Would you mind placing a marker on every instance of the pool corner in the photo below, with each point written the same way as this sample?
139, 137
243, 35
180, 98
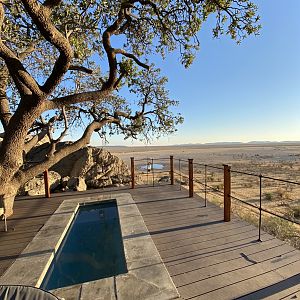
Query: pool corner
147, 276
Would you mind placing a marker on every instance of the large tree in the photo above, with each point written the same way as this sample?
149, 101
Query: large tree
66, 64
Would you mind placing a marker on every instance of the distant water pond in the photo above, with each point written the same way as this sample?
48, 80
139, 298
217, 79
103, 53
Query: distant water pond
149, 167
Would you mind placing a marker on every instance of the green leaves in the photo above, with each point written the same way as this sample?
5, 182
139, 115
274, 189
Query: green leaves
128, 68
142, 28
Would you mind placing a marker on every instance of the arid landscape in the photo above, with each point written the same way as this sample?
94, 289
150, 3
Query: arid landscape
275, 160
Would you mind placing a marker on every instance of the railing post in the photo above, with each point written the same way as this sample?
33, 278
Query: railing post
46, 183
179, 169
260, 207
152, 168
5, 223
172, 169
132, 172
227, 193
191, 178
205, 185
147, 168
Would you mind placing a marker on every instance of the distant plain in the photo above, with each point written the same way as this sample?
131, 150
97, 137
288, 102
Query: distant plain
275, 160
278, 159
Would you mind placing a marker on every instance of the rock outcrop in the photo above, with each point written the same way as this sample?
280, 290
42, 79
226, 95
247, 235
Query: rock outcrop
35, 186
98, 167
76, 184
90, 167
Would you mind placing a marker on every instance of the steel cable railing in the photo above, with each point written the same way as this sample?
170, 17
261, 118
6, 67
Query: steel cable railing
215, 180
259, 205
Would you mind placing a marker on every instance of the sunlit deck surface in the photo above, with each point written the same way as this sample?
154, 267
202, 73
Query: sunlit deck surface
206, 258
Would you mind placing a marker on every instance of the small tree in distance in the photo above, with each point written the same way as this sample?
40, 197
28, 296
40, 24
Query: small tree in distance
65, 64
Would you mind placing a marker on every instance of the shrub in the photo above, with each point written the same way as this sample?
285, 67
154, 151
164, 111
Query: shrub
268, 196
219, 187
296, 212
282, 229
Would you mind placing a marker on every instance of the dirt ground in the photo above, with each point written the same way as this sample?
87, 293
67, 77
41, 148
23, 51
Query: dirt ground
280, 161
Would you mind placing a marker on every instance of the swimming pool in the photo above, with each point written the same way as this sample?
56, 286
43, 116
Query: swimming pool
149, 167
147, 277
91, 250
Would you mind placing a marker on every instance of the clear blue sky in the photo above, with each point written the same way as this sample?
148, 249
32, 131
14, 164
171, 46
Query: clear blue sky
240, 92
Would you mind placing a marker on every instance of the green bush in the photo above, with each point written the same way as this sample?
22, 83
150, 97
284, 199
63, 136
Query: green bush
296, 212
268, 196
282, 229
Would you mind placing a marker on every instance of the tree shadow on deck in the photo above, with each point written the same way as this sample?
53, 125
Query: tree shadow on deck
172, 229
274, 289
29, 254
185, 227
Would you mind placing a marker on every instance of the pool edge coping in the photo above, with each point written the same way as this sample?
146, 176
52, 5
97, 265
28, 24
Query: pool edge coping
40, 253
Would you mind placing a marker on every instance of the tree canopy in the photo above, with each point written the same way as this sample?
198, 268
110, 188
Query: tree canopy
66, 64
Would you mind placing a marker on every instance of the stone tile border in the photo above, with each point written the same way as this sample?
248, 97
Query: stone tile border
147, 276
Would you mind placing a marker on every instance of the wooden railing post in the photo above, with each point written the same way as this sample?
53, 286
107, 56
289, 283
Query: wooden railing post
46, 183
227, 193
172, 169
191, 178
132, 172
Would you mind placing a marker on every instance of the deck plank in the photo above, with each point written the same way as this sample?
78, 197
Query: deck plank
210, 259
206, 258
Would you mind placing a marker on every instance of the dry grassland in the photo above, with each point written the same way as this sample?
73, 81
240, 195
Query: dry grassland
281, 161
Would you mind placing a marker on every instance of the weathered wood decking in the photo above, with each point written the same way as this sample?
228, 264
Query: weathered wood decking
206, 258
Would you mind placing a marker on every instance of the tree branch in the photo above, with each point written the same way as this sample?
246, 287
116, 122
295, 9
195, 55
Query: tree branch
110, 51
132, 56
118, 81
51, 3
27, 51
40, 15
38, 137
25, 83
55, 142
22, 175
45, 128
76, 98
80, 69
23, 80
5, 113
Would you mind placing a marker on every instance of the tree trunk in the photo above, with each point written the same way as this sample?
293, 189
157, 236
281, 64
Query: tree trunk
11, 150
7, 197
14, 178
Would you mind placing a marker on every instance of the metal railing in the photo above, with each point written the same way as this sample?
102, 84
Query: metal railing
250, 190
256, 201
148, 170
220, 181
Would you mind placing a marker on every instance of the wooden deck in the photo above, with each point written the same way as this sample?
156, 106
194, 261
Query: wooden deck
206, 258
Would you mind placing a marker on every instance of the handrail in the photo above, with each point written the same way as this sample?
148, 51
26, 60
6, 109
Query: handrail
264, 176
282, 180
220, 168
206, 187
210, 166
182, 159
266, 210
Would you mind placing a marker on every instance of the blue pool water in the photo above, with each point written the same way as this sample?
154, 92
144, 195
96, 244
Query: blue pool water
149, 167
92, 249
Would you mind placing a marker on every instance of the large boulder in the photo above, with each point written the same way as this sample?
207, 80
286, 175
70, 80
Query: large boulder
36, 186
89, 167
76, 184
98, 167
